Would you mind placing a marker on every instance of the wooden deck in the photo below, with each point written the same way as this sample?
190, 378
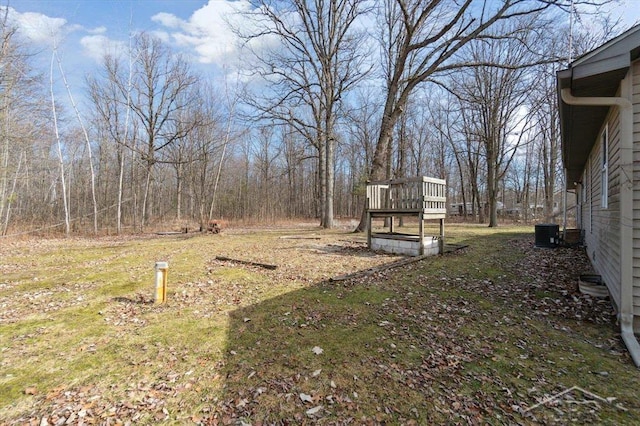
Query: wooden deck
422, 197
410, 196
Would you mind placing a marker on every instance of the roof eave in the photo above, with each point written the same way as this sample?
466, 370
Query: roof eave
580, 125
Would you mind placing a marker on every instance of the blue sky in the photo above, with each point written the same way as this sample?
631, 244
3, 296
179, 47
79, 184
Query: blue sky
109, 13
196, 26
83, 29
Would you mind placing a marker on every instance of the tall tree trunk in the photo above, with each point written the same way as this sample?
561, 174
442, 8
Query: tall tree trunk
462, 186
551, 158
11, 195
526, 187
120, 190
402, 156
179, 184
5, 158
378, 167
321, 192
492, 185
86, 138
120, 148
329, 181
67, 218
145, 200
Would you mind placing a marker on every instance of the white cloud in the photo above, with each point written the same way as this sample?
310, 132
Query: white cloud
43, 29
96, 46
37, 27
208, 32
164, 36
168, 20
97, 30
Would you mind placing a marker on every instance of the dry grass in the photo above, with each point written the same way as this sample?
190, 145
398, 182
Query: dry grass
439, 341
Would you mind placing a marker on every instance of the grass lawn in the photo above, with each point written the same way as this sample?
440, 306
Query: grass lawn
484, 335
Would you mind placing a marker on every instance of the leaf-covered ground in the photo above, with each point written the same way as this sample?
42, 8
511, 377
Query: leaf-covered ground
485, 335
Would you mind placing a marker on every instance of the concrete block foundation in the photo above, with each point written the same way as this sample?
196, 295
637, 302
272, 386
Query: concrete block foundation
408, 245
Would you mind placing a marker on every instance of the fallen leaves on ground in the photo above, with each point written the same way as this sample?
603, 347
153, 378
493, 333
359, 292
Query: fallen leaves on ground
441, 347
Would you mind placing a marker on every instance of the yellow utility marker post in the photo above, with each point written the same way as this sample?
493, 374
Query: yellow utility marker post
162, 268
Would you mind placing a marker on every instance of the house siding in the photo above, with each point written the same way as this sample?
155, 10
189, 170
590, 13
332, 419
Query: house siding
602, 225
610, 225
585, 204
611, 228
636, 188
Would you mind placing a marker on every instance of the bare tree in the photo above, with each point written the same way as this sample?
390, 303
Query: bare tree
208, 144
24, 119
316, 64
423, 39
362, 122
448, 123
495, 98
86, 138
63, 180
544, 100
161, 84
7, 79
294, 157
231, 99
156, 87
472, 150
110, 92
545, 110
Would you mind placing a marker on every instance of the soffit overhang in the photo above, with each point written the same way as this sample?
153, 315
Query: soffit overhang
596, 74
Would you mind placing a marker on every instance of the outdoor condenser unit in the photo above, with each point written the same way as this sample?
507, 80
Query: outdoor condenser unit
547, 235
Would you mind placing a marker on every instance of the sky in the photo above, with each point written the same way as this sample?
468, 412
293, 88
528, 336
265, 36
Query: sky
82, 30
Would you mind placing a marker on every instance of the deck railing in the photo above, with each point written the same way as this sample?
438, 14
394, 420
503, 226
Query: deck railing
425, 194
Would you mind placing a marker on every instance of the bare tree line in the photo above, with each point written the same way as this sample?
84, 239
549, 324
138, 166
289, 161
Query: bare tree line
351, 92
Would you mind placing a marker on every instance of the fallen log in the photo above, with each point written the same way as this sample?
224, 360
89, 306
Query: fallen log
247, 262
450, 248
295, 237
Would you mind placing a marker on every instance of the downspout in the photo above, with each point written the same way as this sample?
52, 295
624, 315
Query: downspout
625, 315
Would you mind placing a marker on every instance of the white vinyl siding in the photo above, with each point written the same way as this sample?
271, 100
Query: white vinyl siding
636, 187
604, 172
590, 194
601, 208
